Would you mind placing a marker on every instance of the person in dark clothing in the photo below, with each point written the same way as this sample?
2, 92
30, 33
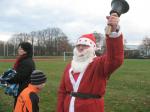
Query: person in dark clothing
24, 66
28, 99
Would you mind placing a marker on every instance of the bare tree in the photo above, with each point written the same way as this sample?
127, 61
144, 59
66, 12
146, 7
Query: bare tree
99, 43
145, 46
50, 41
1, 48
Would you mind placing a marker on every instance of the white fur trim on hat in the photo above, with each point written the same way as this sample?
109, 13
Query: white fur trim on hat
86, 41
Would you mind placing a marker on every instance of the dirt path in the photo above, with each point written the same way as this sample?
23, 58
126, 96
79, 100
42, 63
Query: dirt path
13, 60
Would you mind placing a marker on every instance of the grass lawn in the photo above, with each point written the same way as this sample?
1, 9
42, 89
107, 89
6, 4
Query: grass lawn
128, 89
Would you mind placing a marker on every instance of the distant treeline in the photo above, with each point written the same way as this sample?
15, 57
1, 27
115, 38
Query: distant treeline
54, 42
50, 41
47, 42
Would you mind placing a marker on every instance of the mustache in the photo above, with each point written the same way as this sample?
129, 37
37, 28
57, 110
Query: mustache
84, 55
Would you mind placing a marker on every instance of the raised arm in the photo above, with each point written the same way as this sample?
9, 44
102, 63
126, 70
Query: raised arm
114, 55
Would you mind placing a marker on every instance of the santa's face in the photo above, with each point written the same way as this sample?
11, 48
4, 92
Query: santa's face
81, 49
83, 55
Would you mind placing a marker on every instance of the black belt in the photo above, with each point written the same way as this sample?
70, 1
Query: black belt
84, 95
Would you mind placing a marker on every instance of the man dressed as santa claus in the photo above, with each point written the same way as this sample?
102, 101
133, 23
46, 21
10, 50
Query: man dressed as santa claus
83, 84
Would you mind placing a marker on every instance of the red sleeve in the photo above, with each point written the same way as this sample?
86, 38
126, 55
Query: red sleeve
114, 56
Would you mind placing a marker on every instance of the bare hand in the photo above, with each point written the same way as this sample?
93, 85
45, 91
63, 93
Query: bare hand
113, 21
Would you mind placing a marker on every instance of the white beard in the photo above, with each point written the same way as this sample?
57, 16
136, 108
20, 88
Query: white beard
80, 63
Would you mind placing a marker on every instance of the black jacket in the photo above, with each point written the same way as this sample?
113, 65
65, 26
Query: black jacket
24, 70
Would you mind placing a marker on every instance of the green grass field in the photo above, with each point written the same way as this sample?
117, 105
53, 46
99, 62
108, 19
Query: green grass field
128, 89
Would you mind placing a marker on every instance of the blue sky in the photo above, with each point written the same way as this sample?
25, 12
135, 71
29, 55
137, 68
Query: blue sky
74, 17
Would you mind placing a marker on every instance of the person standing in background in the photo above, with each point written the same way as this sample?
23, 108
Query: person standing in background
23, 66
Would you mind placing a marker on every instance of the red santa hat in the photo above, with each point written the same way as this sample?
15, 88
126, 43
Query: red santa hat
87, 39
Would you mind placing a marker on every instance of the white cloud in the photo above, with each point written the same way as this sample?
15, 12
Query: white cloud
5, 36
13, 12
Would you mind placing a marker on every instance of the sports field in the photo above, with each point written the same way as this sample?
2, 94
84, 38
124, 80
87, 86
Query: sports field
128, 89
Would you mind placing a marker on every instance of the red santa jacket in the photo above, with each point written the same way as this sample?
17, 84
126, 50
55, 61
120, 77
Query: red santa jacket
93, 80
